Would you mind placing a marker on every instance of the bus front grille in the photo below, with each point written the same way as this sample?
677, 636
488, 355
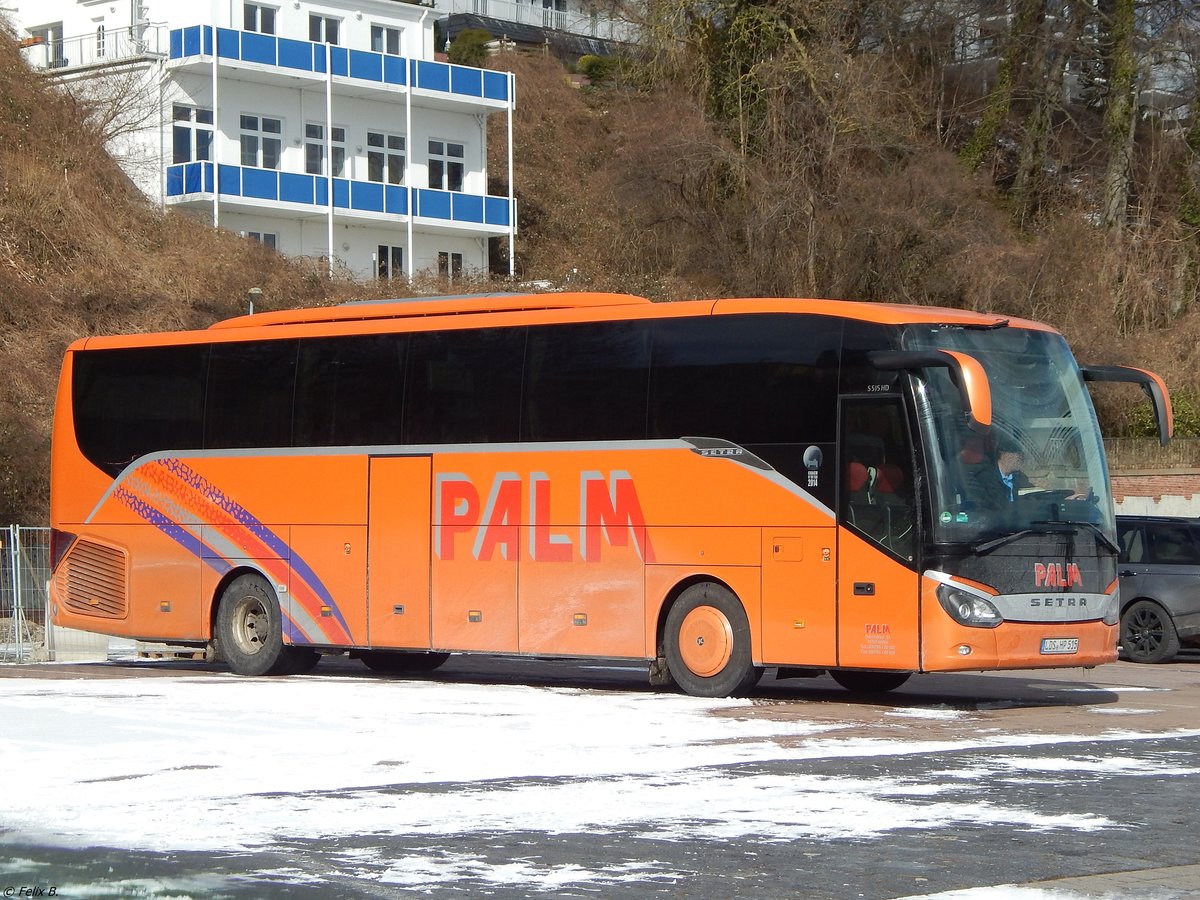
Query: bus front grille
91, 581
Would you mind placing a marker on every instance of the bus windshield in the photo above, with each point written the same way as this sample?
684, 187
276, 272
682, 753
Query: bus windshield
1042, 463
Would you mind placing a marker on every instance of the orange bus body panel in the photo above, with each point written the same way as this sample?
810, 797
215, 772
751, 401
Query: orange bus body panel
878, 611
398, 533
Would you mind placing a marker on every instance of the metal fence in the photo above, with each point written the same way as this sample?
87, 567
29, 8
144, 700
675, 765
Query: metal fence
24, 578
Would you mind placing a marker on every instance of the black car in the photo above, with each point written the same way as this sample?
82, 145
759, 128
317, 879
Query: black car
1160, 586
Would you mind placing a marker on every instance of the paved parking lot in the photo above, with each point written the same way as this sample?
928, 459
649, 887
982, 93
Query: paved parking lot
526, 778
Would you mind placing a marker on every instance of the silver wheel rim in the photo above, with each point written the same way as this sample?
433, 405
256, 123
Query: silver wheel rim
250, 624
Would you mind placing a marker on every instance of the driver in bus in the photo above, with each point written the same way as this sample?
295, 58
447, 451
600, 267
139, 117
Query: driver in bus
996, 483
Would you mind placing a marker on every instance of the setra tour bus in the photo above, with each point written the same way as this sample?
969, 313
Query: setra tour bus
714, 487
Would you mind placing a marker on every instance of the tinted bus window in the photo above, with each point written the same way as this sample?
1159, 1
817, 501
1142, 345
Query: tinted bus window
132, 402
464, 387
586, 382
250, 390
350, 391
749, 379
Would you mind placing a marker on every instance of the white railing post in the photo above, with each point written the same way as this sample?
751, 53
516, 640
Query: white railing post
18, 616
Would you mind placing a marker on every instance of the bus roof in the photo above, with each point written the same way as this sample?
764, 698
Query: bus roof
494, 310
414, 307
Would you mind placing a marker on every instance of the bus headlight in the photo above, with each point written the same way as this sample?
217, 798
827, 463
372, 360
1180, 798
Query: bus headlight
968, 609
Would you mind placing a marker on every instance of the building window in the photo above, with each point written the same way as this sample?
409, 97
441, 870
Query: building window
450, 265
314, 150
323, 29
256, 17
385, 157
262, 143
266, 238
386, 39
446, 165
100, 36
191, 133
389, 262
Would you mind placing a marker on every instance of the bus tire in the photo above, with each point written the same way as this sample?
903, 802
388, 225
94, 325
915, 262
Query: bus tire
401, 661
249, 630
869, 682
1147, 633
707, 643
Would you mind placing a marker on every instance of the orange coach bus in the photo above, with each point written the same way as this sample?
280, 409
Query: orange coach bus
714, 487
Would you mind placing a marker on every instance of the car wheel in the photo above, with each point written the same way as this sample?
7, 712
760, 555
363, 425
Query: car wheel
1147, 633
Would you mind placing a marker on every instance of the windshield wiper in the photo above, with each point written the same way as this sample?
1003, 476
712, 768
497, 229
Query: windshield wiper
1054, 528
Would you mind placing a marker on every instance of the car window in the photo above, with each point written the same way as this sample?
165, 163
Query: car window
1171, 544
1133, 546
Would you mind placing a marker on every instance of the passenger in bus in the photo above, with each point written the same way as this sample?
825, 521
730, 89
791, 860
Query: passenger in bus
996, 483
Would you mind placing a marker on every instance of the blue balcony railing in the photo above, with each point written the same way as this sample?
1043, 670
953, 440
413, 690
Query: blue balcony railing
313, 190
360, 65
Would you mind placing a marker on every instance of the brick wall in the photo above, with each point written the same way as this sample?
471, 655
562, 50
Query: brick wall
1165, 493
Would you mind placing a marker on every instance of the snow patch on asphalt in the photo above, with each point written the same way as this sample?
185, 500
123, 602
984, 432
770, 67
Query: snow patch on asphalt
232, 764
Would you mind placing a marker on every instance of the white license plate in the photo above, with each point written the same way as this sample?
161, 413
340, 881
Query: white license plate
1060, 645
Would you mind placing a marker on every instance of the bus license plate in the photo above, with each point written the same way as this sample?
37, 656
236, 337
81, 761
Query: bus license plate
1060, 645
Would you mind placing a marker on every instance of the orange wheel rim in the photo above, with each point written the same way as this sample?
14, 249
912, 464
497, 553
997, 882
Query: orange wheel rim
705, 641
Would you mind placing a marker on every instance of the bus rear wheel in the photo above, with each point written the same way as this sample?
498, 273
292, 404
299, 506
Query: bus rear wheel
249, 631
707, 643
400, 661
869, 682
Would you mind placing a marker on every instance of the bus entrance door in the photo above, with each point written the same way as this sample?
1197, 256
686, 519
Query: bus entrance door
878, 589
398, 552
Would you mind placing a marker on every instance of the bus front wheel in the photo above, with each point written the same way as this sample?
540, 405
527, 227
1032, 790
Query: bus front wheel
249, 631
707, 643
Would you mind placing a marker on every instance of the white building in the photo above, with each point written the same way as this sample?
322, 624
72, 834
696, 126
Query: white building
234, 110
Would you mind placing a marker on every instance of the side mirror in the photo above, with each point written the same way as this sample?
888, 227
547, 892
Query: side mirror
1153, 387
965, 370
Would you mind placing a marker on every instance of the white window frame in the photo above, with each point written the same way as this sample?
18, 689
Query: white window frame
450, 264
262, 137
314, 137
381, 39
391, 158
194, 120
324, 24
254, 20
389, 262
268, 239
447, 160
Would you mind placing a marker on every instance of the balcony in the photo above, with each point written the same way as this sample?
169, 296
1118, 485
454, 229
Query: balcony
600, 27
99, 48
270, 58
266, 191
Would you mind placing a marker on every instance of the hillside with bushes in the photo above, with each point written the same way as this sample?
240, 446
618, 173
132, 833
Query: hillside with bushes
777, 157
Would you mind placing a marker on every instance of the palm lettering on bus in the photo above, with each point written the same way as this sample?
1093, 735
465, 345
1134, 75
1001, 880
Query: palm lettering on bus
610, 513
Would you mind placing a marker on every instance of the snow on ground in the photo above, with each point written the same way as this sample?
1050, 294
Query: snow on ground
225, 763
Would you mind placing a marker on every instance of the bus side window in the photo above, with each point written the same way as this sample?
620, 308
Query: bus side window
131, 402
586, 382
251, 386
350, 391
464, 387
